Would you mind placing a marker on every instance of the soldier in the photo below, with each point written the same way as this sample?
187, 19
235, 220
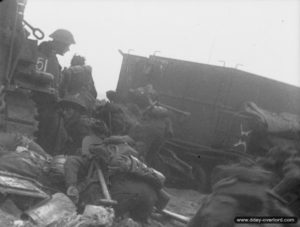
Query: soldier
47, 60
115, 117
285, 163
76, 122
132, 184
143, 96
154, 128
51, 135
78, 79
239, 190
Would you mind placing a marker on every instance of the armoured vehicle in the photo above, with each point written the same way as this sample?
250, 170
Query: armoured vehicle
213, 95
218, 128
22, 74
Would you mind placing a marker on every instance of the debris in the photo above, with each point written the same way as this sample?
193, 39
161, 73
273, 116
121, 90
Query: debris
50, 210
99, 214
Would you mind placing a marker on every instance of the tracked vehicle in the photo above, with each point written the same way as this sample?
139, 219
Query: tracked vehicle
22, 71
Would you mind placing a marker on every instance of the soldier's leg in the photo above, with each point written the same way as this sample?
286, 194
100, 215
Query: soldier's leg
146, 202
76, 167
91, 195
134, 197
216, 210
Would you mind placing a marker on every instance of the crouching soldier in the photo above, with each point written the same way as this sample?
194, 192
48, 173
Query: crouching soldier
76, 121
134, 186
239, 191
289, 186
284, 162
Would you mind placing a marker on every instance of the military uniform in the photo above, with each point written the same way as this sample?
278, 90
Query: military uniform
155, 125
77, 128
48, 62
239, 191
136, 198
289, 185
78, 79
51, 134
76, 122
115, 117
151, 133
132, 183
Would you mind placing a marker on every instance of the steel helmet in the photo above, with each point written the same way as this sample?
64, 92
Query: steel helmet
63, 35
75, 101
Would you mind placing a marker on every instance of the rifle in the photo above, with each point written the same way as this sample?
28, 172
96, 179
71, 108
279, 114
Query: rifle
171, 108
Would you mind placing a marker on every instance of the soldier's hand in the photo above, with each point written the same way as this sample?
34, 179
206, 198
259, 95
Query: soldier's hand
73, 193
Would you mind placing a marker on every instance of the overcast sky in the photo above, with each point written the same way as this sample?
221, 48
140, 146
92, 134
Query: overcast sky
261, 35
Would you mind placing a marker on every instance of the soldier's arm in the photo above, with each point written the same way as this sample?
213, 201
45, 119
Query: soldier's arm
65, 80
91, 86
72, 167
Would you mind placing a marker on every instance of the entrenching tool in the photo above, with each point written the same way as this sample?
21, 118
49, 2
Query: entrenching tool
176, 110
107, 198
167, 214
161, 213
171, 108
177, 217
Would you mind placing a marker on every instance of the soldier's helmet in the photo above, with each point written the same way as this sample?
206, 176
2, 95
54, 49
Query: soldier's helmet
111, 95
98, 126
73, 101
77, 60
63, 35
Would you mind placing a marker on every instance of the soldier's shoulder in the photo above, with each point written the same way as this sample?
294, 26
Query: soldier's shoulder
77, 69
45, 47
